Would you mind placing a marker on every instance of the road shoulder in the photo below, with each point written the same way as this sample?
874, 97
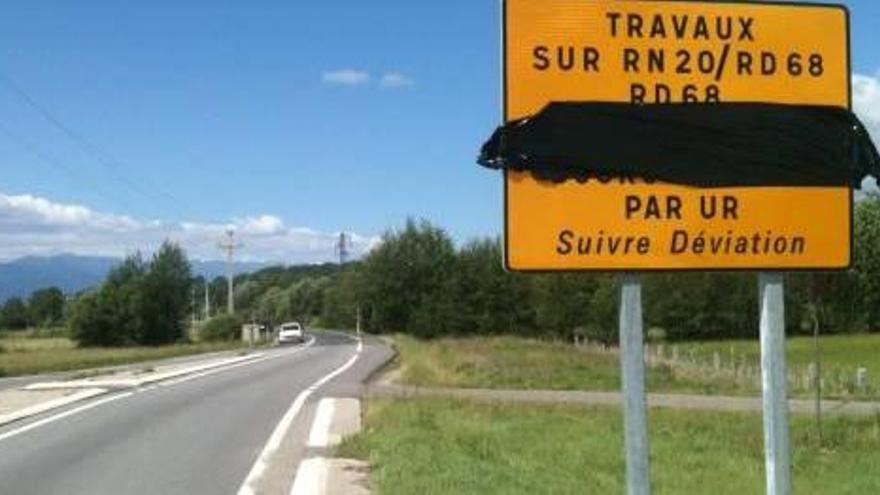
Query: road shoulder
321, 473
34, 398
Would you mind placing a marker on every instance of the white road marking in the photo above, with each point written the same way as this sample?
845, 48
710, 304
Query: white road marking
320, 434
71, 412
225, 368
86, 407
248, 487
46, 406
311, 477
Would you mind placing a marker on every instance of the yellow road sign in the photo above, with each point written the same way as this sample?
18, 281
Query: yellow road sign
673, 52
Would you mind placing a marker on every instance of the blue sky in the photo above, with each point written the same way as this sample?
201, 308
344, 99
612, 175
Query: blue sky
298, 117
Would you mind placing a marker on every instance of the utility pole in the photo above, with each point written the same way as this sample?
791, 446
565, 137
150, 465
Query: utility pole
343, 246
229, 246
194, 306
207, 301
343, 249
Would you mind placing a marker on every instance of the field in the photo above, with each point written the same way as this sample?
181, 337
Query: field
23, 353
517, 363
440, 446
838, 351
840, 355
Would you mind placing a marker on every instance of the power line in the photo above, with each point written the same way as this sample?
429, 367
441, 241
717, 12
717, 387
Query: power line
53, 162
102, 157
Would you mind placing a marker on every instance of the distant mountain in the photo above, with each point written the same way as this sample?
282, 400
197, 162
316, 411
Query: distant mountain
72, 273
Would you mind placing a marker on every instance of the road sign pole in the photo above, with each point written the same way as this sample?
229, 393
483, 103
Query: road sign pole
632, 363
773, 383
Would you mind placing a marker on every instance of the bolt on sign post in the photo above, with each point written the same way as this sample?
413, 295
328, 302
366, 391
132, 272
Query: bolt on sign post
676, 52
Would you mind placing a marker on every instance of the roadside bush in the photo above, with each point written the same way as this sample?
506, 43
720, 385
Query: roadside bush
100, 318
222, 327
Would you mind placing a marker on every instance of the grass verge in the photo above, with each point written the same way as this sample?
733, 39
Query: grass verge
25, 355
518, 363
440, 446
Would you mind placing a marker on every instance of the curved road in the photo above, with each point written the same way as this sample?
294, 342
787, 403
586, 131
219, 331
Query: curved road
200, 435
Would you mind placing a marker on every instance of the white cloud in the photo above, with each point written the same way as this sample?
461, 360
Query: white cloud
30, 225
262, 225
866, 101
346, 77
356, 77
33, 210
395, 80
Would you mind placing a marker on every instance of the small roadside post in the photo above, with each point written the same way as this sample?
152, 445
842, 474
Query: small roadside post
569, 64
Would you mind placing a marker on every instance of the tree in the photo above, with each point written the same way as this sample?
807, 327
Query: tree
218, 293
487, 298
14, 314
46, 306
139, 303
701, 305
165, 292
111, 315
866, 259
563, 302
602, 318
247, 292
407, 281
342, 296
95, 320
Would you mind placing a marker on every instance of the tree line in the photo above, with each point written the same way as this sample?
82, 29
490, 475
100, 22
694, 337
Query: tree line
44, 308
417, 281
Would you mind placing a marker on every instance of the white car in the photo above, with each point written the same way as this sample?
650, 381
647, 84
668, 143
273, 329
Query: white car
290, 332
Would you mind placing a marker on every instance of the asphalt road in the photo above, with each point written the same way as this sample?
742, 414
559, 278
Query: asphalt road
201, 435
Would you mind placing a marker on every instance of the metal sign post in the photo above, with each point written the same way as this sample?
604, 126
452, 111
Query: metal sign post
773, 383
632, 366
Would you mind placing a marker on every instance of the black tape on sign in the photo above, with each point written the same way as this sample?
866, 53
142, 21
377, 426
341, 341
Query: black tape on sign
706, 145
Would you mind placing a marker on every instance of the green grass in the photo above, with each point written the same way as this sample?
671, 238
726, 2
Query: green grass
517, 363
840, 357
24, 354
440, 446
843, 352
